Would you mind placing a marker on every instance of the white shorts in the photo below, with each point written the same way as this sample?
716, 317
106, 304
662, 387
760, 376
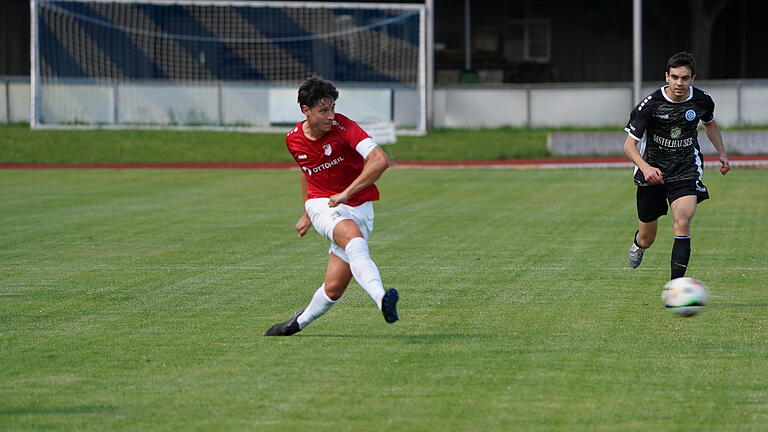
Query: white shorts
325, 218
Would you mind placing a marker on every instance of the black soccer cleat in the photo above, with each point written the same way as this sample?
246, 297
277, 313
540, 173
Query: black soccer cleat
285, 328
389, 306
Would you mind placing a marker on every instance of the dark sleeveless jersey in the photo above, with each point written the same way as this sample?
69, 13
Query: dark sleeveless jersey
667, 133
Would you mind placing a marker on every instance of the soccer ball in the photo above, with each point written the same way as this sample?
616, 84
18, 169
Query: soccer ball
685, 296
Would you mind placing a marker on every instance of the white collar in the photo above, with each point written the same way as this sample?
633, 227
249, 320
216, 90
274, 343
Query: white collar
664, 92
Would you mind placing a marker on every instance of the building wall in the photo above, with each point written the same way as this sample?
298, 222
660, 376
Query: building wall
591, 40
14, 37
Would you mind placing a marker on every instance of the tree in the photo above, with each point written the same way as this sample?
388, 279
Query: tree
704, 14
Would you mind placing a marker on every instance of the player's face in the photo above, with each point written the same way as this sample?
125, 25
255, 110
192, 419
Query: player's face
320, 117
679, 80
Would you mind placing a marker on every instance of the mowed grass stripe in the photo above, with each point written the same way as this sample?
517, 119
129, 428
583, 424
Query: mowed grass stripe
137, 299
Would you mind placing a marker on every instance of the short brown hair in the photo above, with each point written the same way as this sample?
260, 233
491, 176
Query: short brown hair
315, 89
682, 59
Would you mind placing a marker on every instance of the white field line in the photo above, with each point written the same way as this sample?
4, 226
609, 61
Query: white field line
280, 267
757, 163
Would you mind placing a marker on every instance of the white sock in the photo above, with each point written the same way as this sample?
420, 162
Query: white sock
364, 269
319, 305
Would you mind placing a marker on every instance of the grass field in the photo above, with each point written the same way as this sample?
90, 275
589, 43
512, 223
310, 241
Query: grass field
136, 300
19, 144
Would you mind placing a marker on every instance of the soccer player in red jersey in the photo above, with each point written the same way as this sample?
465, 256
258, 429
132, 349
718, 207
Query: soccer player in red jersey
662, 142
340, 163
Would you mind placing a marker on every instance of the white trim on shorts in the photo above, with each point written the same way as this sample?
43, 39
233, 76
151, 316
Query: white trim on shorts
325, 218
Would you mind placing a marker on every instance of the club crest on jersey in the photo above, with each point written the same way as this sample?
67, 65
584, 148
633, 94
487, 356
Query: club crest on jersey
676, 132
327, 149
690, 115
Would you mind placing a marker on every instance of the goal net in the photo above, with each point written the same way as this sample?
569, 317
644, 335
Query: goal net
223, 64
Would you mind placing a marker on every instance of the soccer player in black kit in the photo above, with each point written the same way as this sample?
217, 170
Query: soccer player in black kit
668, 161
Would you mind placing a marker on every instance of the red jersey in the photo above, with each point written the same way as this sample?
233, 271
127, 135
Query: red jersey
331, 163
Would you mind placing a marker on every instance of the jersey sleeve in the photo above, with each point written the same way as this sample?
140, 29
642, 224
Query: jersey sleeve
358, 139
709, 114
290, 143
638, 119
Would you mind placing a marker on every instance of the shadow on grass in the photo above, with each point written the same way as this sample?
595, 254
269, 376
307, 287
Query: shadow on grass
412, 338
85, 409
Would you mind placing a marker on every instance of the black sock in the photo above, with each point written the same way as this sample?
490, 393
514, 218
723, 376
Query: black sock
681, 253
636, 243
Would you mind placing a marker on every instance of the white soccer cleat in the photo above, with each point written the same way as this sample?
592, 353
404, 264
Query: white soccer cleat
635, 256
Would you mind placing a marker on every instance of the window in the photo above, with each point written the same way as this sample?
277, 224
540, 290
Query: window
528, 34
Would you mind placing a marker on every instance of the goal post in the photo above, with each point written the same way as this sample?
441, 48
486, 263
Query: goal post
223, 64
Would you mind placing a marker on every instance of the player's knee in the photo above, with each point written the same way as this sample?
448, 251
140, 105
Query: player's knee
682, 225
334, 290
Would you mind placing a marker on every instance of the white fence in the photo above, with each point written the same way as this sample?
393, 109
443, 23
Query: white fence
737, 142
159, 104
14, 99
739, 102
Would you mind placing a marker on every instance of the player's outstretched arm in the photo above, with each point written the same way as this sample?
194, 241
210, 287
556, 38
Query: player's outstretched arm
716, 138
375, 164
651, 174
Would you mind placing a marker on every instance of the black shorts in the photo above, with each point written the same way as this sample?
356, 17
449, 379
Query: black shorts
652, 200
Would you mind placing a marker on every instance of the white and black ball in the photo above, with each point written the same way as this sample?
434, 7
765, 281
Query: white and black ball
685, 296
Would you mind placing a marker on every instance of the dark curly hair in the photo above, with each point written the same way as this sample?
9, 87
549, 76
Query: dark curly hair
682, 59
315, 89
